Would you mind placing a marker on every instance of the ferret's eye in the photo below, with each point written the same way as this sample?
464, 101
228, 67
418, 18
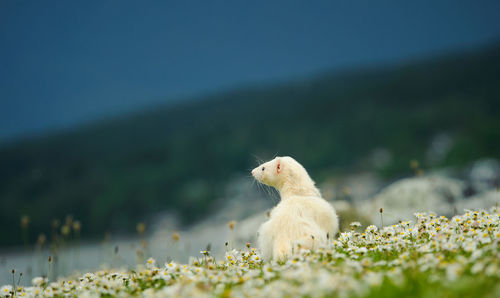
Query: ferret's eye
263, 168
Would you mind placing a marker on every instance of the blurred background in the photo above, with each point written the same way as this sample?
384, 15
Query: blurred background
128, 129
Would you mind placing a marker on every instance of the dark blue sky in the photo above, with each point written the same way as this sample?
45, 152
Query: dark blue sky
63, 64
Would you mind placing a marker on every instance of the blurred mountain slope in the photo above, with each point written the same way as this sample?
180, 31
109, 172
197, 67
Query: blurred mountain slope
114, 173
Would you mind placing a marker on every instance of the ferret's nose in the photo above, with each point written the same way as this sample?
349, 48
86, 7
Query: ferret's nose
253, 174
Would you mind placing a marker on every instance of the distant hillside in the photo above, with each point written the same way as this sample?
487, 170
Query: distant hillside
113, 174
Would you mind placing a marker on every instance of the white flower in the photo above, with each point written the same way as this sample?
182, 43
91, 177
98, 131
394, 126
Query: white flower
355, 224
268, 272
374, 278
361, 250
453, 271
48, 292
38, 281
6, 290
150, 263
371, 229
478, 267
171, 267
149, 293
492, 270
345, 267
469, 246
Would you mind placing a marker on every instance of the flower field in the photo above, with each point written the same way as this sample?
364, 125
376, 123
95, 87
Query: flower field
432, 256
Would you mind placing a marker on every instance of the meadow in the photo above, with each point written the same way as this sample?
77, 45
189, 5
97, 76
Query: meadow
432, 256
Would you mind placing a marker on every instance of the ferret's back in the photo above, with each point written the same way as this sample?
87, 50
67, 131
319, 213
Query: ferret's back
314, 208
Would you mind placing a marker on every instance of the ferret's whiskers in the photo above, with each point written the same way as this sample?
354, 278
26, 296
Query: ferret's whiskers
266, 190
275, 194
275, 155
261, 187
269, 192
257, 159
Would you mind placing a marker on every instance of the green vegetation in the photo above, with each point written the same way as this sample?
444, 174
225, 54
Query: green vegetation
113, 173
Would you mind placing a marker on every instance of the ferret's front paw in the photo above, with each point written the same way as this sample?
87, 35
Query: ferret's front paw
281, 252
281, 256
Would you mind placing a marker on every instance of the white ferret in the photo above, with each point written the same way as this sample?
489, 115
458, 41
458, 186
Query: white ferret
302, 217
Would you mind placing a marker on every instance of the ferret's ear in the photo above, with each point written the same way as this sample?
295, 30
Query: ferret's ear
279, 166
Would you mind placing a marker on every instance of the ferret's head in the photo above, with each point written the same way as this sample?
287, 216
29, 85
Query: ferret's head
285, 172
269, 173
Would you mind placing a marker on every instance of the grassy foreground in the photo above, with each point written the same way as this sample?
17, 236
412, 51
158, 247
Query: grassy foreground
432, 257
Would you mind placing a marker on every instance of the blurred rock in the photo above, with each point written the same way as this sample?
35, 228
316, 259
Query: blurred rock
347, 214
403, 198
485, 175
351, 188
480, 201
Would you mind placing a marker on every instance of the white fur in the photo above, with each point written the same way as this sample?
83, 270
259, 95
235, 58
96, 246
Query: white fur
302, 217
